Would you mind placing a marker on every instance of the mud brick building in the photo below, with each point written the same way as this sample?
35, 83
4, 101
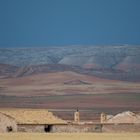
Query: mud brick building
41, 120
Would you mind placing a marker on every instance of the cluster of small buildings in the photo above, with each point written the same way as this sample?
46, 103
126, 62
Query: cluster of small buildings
41, 120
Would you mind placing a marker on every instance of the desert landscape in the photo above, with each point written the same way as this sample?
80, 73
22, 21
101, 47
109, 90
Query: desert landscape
94, 79
70, 69
41, 90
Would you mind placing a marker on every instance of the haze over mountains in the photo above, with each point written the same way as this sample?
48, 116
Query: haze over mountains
111, 62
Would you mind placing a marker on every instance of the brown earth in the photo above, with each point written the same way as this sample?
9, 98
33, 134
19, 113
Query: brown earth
63, 83
71, 136
69, 90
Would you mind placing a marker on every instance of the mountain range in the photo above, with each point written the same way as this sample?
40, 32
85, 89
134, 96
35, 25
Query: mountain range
120, 62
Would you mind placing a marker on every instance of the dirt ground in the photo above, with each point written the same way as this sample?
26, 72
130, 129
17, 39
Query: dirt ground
87, 104
69, 90
64, 83
71, 136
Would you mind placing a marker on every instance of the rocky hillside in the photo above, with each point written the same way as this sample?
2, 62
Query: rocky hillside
113, 62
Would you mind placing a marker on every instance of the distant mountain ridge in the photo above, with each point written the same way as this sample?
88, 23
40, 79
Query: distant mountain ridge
7, 70
113, 62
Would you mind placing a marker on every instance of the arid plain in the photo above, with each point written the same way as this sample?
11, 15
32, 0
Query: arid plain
69, 90
72, 136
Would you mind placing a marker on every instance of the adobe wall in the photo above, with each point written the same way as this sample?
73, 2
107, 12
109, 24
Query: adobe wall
7, 124
31, 128
77, 128
96, 128
121, 127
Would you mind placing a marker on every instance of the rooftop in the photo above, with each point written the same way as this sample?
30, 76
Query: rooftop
32, 116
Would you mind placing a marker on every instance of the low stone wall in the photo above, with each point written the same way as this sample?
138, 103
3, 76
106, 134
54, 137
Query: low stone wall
77, 128
95, 128
121, 127
31, 128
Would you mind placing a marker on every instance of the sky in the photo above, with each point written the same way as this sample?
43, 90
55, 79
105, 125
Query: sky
26, 23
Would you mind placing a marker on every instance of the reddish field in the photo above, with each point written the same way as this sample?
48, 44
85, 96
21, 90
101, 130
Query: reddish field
69, 90
64, 83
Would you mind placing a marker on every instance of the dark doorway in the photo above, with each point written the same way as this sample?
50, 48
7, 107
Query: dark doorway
48, 128
9, 129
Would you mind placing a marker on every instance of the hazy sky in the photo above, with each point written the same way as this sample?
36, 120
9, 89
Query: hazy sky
67, 22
